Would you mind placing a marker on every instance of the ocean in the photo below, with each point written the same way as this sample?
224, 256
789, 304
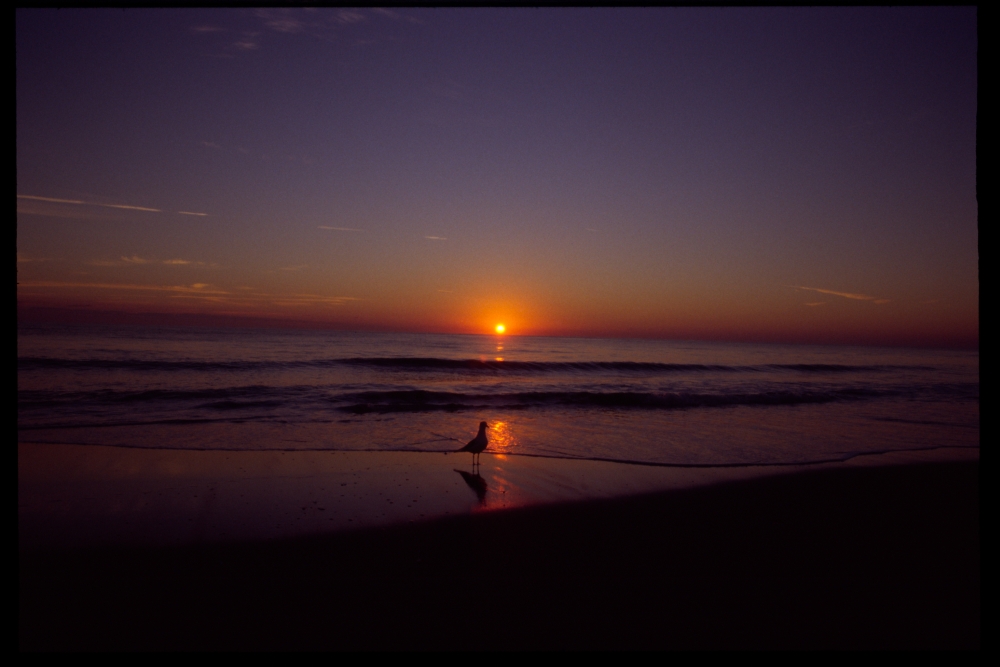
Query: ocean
652, 402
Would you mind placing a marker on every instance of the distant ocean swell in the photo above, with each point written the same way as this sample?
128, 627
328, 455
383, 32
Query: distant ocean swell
426, 401
432, 364
257, 397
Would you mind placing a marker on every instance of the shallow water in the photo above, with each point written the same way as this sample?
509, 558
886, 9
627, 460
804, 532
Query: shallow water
654, 402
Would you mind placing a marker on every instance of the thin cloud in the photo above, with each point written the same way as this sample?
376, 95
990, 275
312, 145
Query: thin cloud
813, 304
23, 259
191, 213
87, 203
297, 267
388, 13
133, 208
281, 19
846, 295
136, 260
246, 298
394, 15
286, 25
194, 288
320, 23
349, 16
309, 300
52, 199
338, 229
435, 238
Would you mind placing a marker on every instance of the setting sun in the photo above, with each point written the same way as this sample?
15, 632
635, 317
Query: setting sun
500, 328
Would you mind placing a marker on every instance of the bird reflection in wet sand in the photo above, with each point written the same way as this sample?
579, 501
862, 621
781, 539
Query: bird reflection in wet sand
476, 483
477, 444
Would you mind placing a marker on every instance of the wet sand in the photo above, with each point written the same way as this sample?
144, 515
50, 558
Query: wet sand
861, 555
85, 495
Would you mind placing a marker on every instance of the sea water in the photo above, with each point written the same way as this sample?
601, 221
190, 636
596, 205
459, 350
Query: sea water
678, 403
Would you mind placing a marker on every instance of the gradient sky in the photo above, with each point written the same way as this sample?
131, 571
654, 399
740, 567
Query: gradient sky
783, 174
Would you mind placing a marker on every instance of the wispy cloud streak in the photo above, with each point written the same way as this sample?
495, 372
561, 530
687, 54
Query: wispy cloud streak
23, 259
133, 208
80, 202
205, 292
846, 295
198, 288
87, 203
52, 199
135, 260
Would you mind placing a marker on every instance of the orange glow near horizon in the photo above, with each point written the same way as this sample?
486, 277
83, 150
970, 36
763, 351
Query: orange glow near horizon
784, 316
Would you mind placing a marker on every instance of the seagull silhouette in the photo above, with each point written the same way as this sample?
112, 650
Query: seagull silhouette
477, 444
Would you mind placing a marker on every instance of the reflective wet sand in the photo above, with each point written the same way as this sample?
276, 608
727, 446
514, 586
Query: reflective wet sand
72, 495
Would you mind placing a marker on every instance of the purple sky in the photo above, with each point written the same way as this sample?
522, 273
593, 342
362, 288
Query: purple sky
736, 173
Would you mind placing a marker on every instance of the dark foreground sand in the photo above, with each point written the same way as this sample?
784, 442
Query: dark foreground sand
864, 557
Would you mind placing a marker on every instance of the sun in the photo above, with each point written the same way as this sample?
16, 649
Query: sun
500, 328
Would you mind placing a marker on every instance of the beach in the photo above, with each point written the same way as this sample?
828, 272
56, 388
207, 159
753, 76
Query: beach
183, 488
879, 552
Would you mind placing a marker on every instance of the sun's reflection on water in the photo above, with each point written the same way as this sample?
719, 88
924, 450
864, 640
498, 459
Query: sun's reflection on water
501, 437
491, 487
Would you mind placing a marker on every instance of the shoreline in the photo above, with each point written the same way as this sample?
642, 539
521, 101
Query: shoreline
848, 556
93, 495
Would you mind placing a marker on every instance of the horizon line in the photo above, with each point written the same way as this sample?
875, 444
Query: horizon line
69, 316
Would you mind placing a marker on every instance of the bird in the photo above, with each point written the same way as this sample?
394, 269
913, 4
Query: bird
477, 444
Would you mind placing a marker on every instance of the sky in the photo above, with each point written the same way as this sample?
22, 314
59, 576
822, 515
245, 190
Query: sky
749, 174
